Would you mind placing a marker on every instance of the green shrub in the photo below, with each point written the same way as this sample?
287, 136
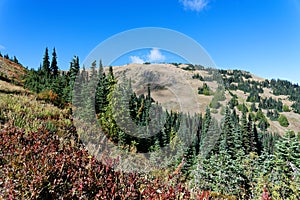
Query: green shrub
215, 111
214, 104
50, 127
204, 90
242, 108
283, 121
286, 108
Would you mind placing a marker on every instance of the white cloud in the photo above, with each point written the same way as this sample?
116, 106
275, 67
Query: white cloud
194, 5
2, 47
136, 59
155, 56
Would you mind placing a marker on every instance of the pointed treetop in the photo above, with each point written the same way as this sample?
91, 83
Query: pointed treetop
54, 67
46, 63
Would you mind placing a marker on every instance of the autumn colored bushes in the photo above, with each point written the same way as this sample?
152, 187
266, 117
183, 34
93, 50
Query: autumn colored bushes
40, 165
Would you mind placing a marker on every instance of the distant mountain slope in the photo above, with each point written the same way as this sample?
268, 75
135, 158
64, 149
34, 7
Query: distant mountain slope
176, 87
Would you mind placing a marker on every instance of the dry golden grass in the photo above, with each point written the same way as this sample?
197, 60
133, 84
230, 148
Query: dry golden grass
11, 88
24, 111
173, 87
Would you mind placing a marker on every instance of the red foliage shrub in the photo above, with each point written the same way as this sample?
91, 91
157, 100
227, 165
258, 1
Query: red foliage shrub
41, 165
265, 195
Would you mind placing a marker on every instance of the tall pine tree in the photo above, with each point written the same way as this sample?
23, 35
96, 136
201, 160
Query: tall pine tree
54, 67
46, 63
245, 133
227, 135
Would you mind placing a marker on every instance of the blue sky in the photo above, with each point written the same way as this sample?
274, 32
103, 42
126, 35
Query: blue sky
260, 36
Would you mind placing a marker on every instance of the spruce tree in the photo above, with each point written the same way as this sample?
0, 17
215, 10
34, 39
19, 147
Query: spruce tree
238, 140
206, 125
227, 135
102, 92
198, 123
283, 168
245, 133
111, 74
46, 63
74, 68
235, 118
288, 148
111, 79
255, 142
54, 67
15, 60
93, 73
73, 73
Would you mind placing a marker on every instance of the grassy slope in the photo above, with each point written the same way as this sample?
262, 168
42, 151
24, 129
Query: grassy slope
11, 72
20, 107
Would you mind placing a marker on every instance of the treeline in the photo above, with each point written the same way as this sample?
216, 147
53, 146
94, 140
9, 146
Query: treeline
239, 80
13, 58
49, 83
282, 87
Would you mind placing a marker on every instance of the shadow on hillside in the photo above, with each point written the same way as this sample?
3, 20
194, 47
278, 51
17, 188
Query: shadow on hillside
3, 78
13, 92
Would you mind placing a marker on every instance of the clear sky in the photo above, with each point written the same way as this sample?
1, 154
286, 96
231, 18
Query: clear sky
260, 36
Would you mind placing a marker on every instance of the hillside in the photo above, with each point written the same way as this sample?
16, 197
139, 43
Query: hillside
176, 88
51, 149
11, 71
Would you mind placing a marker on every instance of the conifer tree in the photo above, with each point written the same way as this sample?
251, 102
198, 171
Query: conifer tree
288, 149
254, 141
111, 76
46, 63
111, 79
235, 118
15, 60
245, 133
227, 135
238, 140
93, 73
74, 88
206, 125
74, 68
198, 123
251, 134
253, 107
102, 91
54, 67
283, 168
207, 121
